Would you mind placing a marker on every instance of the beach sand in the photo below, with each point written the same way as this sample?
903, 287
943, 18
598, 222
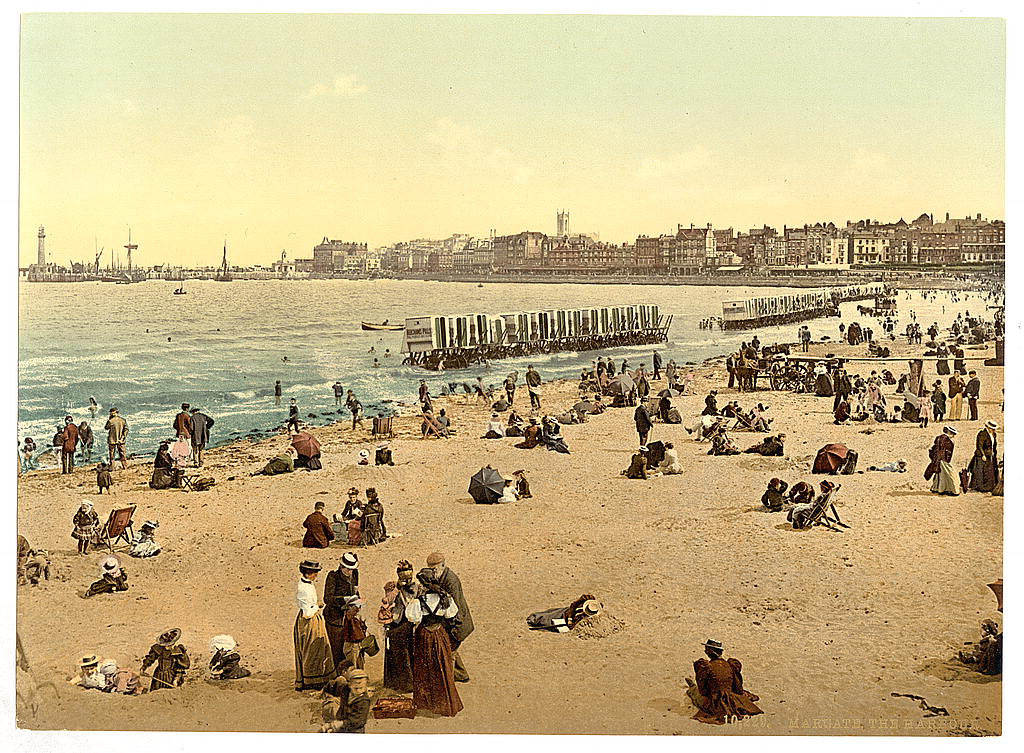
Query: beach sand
828, 625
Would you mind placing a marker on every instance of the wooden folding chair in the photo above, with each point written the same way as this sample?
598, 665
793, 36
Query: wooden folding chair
118, 528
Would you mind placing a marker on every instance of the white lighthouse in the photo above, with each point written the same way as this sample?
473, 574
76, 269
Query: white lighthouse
42, 247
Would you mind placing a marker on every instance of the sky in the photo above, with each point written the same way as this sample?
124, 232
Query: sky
270, 132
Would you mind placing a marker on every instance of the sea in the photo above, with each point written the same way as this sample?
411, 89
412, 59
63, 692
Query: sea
221, 347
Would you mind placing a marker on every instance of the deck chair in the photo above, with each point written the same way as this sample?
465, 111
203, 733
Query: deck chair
382, 426
822, 513
118, 528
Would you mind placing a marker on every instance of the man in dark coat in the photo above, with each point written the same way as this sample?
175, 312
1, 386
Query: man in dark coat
710, 404
842, 386
463, 623
657, 365
971, 392
345, 629
201, 425
69, 439
183, 423
319, 534
984, 467
642, 418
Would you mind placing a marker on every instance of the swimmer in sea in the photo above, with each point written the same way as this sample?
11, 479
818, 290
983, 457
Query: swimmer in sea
376, 363
371, 350
93, 407
387, 353
285, 359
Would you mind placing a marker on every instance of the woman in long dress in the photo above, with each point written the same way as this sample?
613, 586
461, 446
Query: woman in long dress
164, 476
398, 640
433, 666
314, 663
940, 470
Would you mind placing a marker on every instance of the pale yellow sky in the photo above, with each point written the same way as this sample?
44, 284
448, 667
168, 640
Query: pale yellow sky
273, 131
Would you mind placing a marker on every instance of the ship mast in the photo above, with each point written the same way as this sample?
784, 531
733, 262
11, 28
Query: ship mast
131, 247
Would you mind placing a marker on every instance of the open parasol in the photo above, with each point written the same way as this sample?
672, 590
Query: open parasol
622, 384
306, 444
583, 406
997, 589
486, 486
669, 392
830, 458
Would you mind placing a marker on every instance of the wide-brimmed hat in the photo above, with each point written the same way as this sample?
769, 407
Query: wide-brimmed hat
85, 503
712, 643
591, 607
950, 430
364, 453
991, 425
520, 472
643, 448
310, 566
108, 667
90, 660
353, 490
170, 637
110, 565
357, 674
151, 524
349, 560
222, 643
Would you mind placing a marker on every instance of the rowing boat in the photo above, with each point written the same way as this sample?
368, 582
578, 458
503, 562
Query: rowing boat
382, 326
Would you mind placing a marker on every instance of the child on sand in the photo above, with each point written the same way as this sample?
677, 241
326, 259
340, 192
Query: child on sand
87, 524
104, 480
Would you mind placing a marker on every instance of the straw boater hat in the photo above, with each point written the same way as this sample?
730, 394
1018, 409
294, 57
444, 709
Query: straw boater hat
170, 637
110, 566
86, 503
90, 660
991, 425
591, 607
950, 430
713, 644
309, 566
349, 560
151, 524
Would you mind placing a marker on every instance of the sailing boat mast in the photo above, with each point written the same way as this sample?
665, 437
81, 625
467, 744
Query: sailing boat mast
225, 275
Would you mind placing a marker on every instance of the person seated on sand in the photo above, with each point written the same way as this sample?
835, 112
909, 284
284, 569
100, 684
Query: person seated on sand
444, 423
721, 444
774, 497
987, 654
551, 435
283, 463
89, 676
112, 578
637, 465
500, 405
354, 707
33, 564
597, 406
515, 424
145, 544
225, 663
319, 534
120, 679
801, 493
495, 430
531, 435
770, 447
522, 485
717, 690
508, 493
670, 464
429, 426
165, 475
564, 619
571, 417
899, 466
707, 427
383, 455
711, 404
842, 412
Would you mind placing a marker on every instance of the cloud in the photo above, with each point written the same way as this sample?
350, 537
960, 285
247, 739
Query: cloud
452, 136
676, 168
343, 86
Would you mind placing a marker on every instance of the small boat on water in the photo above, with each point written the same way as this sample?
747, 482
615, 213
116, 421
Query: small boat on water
181, 291
374, 327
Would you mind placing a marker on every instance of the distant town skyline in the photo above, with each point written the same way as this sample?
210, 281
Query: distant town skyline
273, 131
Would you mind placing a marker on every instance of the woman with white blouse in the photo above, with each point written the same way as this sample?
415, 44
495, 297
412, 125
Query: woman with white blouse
314, 663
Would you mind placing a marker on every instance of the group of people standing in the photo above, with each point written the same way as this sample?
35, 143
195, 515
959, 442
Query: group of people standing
425, 620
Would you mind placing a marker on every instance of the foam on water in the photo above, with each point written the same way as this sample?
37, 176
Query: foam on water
227, 342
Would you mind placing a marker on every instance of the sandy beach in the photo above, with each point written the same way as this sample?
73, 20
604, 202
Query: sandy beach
828, 625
